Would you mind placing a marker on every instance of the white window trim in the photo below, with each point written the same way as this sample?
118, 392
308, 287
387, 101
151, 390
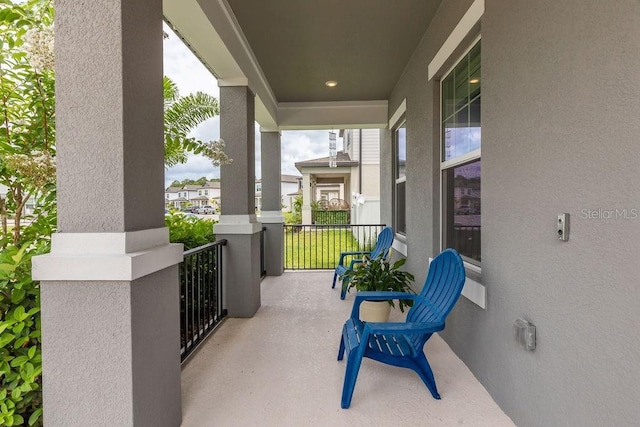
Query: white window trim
466, 24
465, 158
398, 119
400, 111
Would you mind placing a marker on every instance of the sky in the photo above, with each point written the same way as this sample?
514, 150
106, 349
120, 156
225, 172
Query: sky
181, 66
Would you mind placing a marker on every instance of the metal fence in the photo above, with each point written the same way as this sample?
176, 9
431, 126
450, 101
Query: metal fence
318, 247
466, 240
201, 298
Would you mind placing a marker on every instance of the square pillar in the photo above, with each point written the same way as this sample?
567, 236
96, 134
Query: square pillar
307, 194
238, 223
271, 216
110, 291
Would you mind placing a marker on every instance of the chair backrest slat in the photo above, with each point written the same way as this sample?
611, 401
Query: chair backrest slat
383, 244
441, 290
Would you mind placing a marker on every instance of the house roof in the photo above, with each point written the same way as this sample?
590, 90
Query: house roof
211, 184
191, 187
342, 160
179, 199
200, 198
172, 189
290, 178
285, 178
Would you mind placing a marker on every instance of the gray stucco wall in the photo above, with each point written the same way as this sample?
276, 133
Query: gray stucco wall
560, 134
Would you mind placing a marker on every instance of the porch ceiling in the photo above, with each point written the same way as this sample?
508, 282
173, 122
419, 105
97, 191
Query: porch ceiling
364, 45
285, 51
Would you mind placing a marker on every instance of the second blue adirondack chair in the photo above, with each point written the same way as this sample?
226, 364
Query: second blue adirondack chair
381, 249
402, 343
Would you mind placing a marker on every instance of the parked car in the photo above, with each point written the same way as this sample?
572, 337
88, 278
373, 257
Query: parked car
190, 209
205, 210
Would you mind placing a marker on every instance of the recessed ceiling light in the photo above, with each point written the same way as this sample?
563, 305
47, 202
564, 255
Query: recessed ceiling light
331, 83
474, 81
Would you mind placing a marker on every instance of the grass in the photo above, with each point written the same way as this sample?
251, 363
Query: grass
318, 249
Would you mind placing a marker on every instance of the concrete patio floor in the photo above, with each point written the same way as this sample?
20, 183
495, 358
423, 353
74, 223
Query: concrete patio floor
279, 368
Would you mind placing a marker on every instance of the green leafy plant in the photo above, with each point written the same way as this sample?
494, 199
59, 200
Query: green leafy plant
20, 347
376, 274
189, 230
182, 114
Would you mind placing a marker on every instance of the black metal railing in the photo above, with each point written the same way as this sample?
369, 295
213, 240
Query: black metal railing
201, 296
466, 240
318, 247
263, 265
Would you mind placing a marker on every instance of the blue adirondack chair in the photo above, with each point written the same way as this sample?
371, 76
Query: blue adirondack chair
383, 244
402, 343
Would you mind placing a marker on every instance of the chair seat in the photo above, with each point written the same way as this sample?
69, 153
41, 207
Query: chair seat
340, 270
387, 344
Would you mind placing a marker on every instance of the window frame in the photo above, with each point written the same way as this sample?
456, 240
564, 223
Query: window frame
400, 121
474, 266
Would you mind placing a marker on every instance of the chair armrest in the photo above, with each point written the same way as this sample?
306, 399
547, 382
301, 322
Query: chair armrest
377, 296
344, 254
409, 328
354, 262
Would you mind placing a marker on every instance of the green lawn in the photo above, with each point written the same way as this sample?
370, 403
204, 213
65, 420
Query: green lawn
317, 249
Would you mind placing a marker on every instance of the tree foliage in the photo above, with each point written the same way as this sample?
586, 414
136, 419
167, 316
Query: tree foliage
200, 181
27, 171
182, 114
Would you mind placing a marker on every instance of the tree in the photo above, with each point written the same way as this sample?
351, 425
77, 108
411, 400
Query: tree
27, 170
27, 131
182, 114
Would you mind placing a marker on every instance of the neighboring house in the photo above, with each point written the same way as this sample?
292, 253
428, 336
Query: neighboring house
289, 186
355, 179
193, 195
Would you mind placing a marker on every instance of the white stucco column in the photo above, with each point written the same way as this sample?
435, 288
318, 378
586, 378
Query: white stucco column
307, 191
238, 223
271, 215
110, 292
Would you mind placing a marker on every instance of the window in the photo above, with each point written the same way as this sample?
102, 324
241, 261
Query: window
400, 167
461, 164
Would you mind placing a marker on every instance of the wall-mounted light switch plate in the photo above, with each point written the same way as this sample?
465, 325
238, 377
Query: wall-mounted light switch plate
525, 334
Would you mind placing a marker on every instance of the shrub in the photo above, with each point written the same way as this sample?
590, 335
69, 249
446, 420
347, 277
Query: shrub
20, 345
189, 230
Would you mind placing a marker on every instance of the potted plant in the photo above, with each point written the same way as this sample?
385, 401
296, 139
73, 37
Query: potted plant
379, 275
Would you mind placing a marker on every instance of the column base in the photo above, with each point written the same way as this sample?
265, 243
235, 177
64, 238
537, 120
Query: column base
241, 263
